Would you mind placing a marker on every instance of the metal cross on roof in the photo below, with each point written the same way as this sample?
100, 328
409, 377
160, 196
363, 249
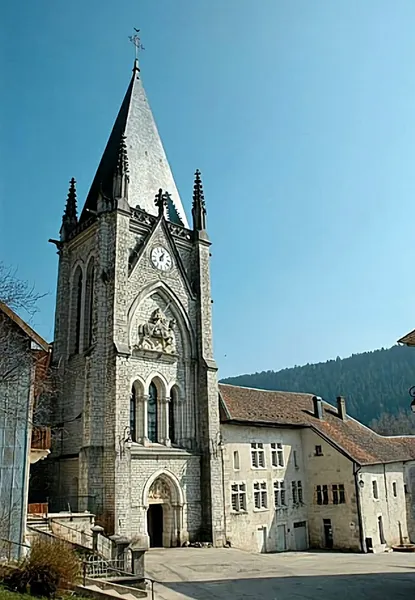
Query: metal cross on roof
136, 40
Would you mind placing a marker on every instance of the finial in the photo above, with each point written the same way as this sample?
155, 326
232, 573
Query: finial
198, 206
136, 40
70, 217
159, 202
70, 208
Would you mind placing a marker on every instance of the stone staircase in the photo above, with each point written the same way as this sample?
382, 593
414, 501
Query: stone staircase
99, 588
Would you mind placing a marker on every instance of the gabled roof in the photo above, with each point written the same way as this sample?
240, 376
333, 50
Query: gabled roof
24, 327
149, 169
408, 339
269, 408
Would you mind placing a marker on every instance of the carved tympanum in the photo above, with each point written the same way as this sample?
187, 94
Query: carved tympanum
159, 490
157, 334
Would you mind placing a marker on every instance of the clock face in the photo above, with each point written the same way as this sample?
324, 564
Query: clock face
161, 258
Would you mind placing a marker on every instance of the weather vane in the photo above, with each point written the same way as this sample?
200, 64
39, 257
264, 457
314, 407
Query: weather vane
136, 40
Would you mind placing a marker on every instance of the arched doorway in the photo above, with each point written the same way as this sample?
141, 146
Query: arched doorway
164, 503
155, 525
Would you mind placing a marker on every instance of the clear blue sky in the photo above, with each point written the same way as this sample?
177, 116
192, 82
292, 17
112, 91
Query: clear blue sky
301, 116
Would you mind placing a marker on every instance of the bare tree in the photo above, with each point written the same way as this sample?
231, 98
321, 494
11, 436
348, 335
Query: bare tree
17, 294
401, 423
24, 357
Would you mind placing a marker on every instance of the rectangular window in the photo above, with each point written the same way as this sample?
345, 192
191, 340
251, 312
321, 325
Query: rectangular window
294, 492
257, 455
318, 451
335, 489
295, 459
279, 493
236, 460
264, 495
319, 495
325, 494
277, 455
342, 496
238, 497
375, 490
260, 494
394, 489
300, 492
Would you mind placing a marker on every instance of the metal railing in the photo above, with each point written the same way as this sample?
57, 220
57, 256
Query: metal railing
97, 566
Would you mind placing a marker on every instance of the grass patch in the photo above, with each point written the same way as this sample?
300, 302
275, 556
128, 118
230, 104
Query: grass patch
8, 595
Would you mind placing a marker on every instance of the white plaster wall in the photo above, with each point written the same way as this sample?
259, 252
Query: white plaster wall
330, 468
242, 528
392, 510
410, 498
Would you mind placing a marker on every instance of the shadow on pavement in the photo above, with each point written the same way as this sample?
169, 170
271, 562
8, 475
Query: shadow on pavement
373, 586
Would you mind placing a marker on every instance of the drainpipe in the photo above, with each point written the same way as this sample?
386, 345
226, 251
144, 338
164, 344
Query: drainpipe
356, 470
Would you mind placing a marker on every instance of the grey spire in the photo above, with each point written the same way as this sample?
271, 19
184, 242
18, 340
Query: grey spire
70, 216
149, 169
198, 206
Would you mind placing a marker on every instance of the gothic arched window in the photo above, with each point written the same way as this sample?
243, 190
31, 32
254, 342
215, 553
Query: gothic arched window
152, 413
133, 414
89, 304
172, 419
76, 311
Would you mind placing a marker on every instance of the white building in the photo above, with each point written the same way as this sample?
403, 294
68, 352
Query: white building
299, 472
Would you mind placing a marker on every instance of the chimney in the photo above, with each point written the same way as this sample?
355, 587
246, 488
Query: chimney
318, 407
341, 407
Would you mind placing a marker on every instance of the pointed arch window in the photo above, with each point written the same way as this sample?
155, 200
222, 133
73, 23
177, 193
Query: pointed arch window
133, 414
152, 413
76, 311
172, 417
89, 304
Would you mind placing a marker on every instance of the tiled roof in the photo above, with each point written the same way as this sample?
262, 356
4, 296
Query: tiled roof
263, 407
408, 339
31, 333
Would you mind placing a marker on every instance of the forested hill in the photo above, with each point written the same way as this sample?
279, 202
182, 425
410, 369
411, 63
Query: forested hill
372, 382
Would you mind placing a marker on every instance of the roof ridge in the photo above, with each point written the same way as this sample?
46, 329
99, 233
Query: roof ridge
25, 327
245, 387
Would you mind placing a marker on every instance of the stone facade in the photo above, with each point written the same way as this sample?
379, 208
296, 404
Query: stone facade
138, 396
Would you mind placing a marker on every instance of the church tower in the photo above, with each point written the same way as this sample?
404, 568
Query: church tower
138, 403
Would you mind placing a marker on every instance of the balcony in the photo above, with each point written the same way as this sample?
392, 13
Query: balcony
40, 444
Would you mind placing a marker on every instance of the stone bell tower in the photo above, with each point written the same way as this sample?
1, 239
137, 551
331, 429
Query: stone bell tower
138, 401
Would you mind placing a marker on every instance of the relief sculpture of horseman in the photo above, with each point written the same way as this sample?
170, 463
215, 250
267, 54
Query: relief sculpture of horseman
157, 334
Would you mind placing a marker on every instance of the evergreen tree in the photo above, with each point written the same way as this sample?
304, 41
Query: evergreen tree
372, 382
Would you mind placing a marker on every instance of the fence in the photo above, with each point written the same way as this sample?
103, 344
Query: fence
97, 566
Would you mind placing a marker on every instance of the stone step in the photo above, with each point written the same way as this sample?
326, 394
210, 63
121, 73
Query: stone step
106, 592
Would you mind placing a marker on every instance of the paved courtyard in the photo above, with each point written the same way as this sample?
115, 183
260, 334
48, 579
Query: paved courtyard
208, 573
